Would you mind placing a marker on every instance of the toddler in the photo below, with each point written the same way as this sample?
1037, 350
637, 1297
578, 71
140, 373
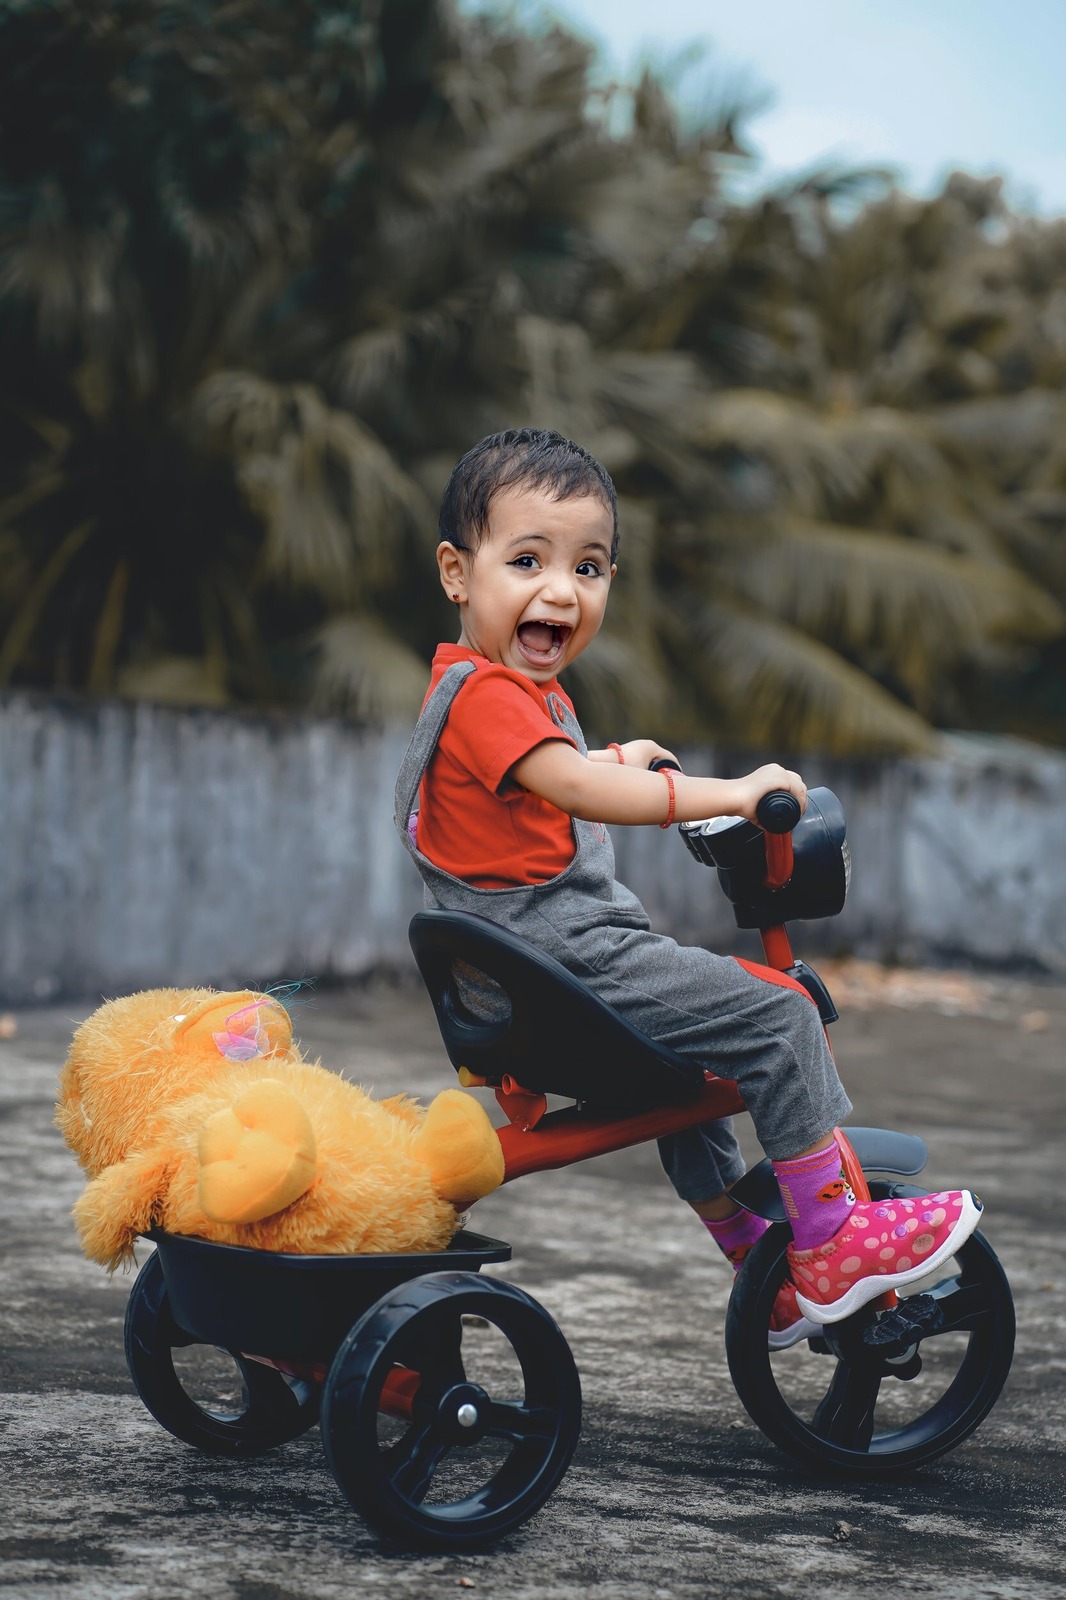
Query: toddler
503, 808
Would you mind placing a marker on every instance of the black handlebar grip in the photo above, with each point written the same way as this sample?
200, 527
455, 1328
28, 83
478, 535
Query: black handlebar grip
663, 761
778, 811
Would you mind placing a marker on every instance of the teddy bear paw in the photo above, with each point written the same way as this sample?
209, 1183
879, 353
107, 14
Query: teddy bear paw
459, 1145
257, 1155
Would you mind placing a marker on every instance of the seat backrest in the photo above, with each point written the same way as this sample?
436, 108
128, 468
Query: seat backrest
556, 1036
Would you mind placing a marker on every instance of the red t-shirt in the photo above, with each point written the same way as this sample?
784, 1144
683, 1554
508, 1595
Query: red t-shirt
491, 837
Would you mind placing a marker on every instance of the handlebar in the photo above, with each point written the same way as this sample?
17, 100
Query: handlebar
778, 811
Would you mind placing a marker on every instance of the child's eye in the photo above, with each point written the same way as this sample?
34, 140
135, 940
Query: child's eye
589, 569
526, 563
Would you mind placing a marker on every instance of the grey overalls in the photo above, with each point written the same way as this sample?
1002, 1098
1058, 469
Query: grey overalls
767, 1037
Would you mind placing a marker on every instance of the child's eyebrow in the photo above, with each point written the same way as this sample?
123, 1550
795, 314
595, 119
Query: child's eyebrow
527, 538
544, 538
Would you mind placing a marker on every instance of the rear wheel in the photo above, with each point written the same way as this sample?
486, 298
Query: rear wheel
219, 1401
882, 1390
451, 1411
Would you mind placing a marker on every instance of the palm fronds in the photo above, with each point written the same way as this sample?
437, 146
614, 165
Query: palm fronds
266, 270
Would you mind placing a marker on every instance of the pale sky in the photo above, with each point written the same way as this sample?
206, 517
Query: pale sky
920, 85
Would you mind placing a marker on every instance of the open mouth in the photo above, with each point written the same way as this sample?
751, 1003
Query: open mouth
542, 643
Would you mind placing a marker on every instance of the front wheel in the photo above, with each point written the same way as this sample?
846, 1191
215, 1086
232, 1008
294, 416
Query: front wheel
451, 1411
882, 1390
218, 1401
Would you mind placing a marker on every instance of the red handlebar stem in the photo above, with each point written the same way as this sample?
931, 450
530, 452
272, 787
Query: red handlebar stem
778, 859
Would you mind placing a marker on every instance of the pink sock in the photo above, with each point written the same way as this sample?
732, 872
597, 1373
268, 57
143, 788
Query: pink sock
817, 1198
735, 1235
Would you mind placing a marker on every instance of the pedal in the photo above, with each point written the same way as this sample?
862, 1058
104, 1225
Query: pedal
907, 1323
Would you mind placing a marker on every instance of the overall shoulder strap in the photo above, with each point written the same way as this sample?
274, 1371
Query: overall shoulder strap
424, 741
564, 718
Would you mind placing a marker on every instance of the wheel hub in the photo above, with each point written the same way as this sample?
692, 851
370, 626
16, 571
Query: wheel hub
463, 1412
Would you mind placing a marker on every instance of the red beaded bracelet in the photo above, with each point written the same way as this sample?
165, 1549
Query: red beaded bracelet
621, 757
669, 776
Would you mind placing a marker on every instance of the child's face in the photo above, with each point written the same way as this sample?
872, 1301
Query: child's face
533, 594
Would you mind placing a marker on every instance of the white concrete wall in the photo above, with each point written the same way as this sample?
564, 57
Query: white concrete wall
141, 845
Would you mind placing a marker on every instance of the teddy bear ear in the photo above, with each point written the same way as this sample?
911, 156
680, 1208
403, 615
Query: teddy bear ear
241, 1024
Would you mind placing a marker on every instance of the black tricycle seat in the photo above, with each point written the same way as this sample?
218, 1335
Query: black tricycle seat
296, 1308
556, 1037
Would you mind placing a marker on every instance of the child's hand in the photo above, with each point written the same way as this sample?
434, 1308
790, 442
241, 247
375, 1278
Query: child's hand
751, 789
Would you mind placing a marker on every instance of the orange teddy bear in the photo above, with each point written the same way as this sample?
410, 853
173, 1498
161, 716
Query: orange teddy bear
192, 1110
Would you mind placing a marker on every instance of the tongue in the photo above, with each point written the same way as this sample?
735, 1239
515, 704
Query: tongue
538, 636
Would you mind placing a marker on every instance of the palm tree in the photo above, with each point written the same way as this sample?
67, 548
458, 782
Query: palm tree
162, 165
868, 539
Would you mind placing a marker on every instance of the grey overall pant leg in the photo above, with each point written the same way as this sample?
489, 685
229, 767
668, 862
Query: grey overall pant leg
767, 1037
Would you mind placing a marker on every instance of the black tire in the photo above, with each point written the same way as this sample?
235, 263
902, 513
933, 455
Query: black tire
871, 1397
271, 1411
428, 1478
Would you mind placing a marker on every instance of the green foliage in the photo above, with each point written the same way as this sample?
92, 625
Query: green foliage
266, 270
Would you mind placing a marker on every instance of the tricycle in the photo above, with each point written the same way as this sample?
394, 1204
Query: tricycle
449, 1402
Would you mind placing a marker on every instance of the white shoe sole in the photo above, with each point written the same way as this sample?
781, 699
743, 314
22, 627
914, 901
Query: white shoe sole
867, 1289
785, 1338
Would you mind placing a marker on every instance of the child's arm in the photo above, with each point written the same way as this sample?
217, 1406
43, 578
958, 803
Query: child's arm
602, 790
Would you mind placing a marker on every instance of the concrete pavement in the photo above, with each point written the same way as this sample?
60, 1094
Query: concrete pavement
673, 1492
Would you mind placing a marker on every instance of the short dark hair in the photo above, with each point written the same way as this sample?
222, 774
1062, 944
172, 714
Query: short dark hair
530, 458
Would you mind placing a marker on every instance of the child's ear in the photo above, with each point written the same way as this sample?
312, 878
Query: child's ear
452, 570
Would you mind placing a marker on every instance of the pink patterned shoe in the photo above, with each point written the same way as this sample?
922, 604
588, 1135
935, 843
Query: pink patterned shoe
788, 1325
884, 1244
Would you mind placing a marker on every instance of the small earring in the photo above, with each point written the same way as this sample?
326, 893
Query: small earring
455, 597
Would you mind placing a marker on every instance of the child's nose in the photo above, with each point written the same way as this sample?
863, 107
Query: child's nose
559, 586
